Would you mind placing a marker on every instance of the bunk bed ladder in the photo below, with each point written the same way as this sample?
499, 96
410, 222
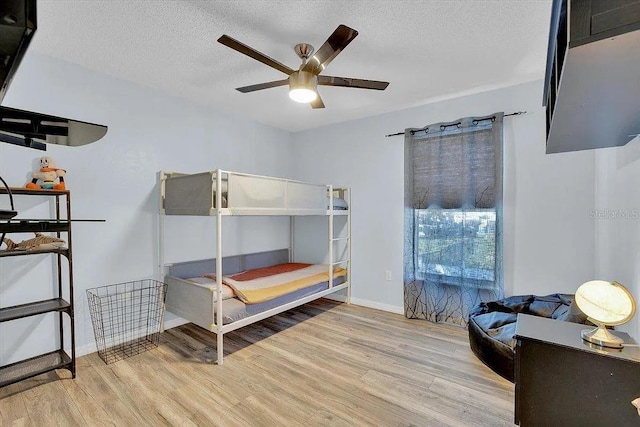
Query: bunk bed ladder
331, 265
219, 272
347, 195
344, 193
162, 176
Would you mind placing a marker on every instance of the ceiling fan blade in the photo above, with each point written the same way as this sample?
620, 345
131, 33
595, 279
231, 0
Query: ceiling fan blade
337, 41
318, 102
349, 82
251, 52
261, 86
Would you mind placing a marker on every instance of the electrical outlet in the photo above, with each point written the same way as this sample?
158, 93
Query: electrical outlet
387, 274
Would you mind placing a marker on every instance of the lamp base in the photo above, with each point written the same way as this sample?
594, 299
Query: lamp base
602, 337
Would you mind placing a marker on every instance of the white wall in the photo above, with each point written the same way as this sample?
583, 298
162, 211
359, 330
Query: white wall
549, 234
617, 213
115, 179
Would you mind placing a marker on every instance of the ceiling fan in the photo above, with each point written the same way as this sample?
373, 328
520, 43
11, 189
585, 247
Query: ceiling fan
303, 82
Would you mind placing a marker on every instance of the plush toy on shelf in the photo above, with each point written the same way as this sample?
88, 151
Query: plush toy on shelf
51, 177
40, 242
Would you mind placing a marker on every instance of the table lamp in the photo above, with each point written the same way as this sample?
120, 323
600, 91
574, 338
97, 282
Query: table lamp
605, 304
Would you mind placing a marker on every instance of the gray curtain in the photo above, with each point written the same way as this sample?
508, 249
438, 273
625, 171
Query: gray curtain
453, 218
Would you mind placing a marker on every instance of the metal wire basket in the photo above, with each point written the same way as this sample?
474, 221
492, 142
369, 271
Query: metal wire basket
126, 317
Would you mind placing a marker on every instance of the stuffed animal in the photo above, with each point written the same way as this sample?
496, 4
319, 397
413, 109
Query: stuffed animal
41, 242
51, 177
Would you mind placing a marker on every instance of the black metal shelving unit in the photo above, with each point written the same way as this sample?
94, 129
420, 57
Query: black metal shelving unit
57, 359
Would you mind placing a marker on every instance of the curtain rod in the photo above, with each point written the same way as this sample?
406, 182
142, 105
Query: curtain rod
517, 113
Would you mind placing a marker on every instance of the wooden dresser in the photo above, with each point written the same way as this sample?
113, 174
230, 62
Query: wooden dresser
562, 380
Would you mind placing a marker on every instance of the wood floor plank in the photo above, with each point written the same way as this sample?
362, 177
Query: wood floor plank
204, 378
132, 396
203, 408
321, 364
149, 391
49, 404
342, 395
325, 417
19, 422
100, 404
495, 410
408, 396
13, 410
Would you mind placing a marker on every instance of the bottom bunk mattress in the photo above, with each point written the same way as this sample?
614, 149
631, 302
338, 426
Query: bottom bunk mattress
246, 293
233, 309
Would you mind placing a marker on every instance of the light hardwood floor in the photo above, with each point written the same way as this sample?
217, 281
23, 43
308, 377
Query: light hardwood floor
322, 364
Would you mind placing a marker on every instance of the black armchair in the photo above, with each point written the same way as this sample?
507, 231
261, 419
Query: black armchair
492, 325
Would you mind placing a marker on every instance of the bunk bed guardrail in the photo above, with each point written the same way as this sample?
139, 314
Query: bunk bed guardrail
240, 194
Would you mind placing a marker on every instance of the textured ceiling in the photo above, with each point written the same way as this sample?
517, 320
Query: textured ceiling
426, 49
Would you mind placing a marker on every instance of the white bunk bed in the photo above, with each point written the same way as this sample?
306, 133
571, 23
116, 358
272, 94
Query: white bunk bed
222, 193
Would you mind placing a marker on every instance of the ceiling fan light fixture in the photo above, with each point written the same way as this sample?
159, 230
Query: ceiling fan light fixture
303, 96
302, 86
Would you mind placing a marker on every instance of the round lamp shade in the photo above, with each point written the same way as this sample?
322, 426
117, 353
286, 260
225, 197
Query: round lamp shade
607, 303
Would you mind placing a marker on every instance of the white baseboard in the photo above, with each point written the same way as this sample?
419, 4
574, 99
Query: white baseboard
378, 305
367, 303
174, 323
83, 350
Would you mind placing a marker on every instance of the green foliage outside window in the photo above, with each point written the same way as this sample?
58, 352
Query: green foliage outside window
457, 243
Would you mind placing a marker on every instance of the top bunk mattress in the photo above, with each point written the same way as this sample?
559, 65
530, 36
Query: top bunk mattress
196, 194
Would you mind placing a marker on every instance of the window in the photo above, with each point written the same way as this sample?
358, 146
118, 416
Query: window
456, 246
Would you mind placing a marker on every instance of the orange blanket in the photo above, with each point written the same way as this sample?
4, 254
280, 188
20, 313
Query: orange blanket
264, 284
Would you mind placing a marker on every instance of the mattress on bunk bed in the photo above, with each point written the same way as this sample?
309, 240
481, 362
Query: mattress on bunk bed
233, 309
190, 294
266, 283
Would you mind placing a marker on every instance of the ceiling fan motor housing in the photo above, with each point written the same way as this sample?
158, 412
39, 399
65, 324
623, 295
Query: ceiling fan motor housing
303, 80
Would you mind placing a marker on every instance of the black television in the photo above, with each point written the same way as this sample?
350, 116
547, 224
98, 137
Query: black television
18, 24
